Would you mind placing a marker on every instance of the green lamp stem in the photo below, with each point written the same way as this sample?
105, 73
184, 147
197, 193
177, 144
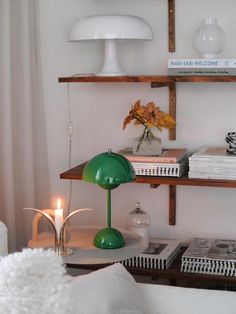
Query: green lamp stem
108, 208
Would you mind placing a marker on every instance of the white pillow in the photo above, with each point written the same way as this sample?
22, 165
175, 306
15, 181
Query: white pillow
34, 282
111, 290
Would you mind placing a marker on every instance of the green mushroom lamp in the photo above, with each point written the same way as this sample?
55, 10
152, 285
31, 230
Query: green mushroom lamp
109, 170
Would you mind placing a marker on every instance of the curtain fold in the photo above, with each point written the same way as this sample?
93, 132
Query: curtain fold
24, 180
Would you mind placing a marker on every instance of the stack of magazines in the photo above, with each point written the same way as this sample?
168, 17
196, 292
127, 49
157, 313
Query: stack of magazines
212, 163
159, 255
171, 162
210, 256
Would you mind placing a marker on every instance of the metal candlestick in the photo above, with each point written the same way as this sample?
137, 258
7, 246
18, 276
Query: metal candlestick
60, 239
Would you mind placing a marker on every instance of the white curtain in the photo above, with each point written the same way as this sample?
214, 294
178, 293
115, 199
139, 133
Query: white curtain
23, 155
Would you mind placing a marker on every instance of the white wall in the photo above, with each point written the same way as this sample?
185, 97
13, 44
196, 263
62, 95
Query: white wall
205, 112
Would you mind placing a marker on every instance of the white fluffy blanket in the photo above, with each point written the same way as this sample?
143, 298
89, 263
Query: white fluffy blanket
33, 282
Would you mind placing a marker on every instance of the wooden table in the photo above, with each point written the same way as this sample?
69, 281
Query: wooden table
173, 273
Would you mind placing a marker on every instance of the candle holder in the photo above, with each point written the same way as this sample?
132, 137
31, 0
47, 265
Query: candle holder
59, 238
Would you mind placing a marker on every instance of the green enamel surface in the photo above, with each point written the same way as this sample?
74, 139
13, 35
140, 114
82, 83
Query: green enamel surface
108, 170
109, 238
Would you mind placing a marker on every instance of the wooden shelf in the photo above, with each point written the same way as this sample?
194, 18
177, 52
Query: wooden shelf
76, 174
163, 80
173, 273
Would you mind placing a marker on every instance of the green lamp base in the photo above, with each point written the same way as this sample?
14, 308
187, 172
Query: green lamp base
109, 238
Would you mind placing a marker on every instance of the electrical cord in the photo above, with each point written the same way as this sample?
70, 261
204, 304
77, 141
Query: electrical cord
70, 134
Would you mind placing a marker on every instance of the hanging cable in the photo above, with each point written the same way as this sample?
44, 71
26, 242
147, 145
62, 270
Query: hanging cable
69, 133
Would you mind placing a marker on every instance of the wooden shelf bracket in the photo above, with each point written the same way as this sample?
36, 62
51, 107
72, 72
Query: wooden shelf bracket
171, 25
172, 109
172, 205
172, 202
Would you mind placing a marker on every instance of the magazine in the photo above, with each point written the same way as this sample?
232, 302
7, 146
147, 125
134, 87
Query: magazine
210, 249
159, 254
213, 153
210, 256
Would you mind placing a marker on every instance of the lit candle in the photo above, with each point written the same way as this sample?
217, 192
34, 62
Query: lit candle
58, 217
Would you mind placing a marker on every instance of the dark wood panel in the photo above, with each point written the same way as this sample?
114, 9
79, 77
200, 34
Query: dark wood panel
171, 25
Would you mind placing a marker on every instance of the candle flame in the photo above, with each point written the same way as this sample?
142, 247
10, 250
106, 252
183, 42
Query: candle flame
58, 203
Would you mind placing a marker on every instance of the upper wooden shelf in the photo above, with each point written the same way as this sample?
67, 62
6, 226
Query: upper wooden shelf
117, 79
76, 174
162, 79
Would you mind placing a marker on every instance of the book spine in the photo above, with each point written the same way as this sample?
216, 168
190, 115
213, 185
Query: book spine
201, 63
205, 175
209, 268
213, 169
217, 164
202, 71
216, 159
152, 261
146, 170
209, 261
147, 159
165, 170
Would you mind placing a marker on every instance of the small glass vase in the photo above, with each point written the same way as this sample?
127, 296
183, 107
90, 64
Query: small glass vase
139, 221
147, 144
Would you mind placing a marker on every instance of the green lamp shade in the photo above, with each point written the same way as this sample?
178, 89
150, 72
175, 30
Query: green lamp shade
108, 170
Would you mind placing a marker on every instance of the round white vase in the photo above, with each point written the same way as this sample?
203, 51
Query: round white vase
209, 38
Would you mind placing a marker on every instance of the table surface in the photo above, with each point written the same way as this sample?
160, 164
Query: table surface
85, 252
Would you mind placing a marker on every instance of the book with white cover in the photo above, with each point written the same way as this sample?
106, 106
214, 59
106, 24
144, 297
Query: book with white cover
161, 169
210, 256
202, 71
206, 175
159, 254
196, 162
213, 169
209, 249
201, 63
212, 153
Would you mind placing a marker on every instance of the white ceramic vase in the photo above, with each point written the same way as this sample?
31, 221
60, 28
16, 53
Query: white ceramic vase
209, 38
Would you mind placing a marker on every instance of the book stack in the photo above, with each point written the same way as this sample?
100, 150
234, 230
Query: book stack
210, 256
202, 67
212, 163
171, 162
159, 255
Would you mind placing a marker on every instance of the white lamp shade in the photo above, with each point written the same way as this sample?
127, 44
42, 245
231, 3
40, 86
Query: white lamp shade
110, 28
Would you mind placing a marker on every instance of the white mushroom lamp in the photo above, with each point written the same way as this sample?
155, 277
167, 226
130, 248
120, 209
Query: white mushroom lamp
110, 28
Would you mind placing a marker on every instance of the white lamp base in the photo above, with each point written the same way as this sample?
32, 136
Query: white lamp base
111, 65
